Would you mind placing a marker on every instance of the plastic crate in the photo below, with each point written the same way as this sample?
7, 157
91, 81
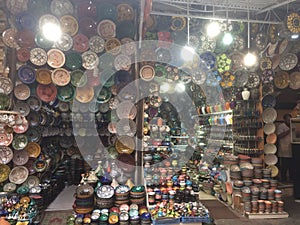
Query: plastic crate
203, 219
162, 221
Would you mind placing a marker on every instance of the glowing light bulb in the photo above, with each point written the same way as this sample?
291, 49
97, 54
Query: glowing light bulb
51, 31
213, 29
250, 59
227, 39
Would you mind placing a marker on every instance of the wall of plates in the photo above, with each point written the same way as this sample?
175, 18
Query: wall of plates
76, 99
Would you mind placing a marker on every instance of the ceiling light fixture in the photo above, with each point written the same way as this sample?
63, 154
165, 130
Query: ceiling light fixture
250, 59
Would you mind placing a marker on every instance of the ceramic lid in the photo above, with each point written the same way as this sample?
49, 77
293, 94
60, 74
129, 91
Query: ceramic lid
105, 191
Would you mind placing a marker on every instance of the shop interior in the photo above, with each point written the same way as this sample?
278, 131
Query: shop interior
147, 112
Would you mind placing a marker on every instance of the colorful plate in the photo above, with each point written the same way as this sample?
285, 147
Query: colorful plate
26, 74
66, 93
64, 43
46, 93
270, 149
4, 172
96, 44
60, 77
18, 174
33, 149
90, 60
20, 157
6, 154
78, 78
269, 115
22, 91
80, 43
270, 159
294, 80
113, 46
281, 79
288, 61
269, 128
56, 58
6, 85
125, 144
43, 76
106, 29
147, 73
125, 12
84, 94
69, 25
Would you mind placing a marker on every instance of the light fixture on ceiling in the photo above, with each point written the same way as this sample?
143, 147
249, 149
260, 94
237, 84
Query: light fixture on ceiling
250, 59
188, 52
213, 29
227, 38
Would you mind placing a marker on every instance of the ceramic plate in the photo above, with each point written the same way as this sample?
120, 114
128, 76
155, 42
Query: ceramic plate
73, 60
32, 181
6, 154
33, 149
125, 144
41, 41
125, 28
64, 43
147, 73
288, 61
26, 74
281, 79
78, 78
38, 56
125, 12
270, 149
46, 93
84, 94
253, 80
270, 159
267, 76
80, 43
237, 61
293, 22
269, 101
96, 44
107, 11
20, 157
20, 141
66, 93
122, 62
106, 29
23, 54
269, 128
60, 77
6, 85
25, 39
9, 37
274, 170
265, 63
4, 172
269, 115
294, 80
18, 174
69, 24
9, 187
113, 46
90, 60
22, 91
271, 138
56, 58
43, 76
128, 46
103, 95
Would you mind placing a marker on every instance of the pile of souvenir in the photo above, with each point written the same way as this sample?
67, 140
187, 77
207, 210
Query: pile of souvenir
100, 199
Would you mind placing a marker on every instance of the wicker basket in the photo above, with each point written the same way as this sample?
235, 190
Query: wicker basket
84, 210
138, 201
118, 203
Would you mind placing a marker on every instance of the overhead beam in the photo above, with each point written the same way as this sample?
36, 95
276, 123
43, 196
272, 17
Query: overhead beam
275, 6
